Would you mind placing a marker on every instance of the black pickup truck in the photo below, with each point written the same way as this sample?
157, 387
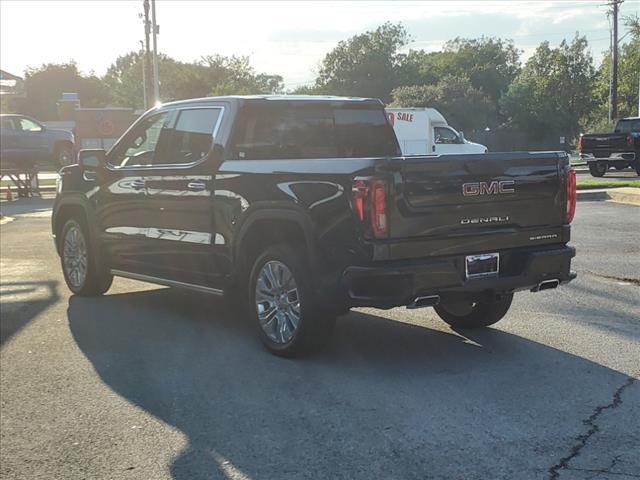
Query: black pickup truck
300, 208
620, 149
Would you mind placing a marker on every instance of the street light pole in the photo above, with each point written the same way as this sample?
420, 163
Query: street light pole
147, 50
156, 78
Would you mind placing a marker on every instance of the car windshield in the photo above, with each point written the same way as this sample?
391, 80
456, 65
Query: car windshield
628, 126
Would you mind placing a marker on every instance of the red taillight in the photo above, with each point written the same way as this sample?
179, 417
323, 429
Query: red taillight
630, 140
580, 142
379, 209
370, 206
571, 195
360, 191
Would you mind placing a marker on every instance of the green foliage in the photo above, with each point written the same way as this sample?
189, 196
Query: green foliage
475, 83
490, 65
553, 91
462, 105
628, 78
212, 75
364, 65
45, 85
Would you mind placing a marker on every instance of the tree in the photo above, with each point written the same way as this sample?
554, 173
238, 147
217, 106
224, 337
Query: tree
554, 90
489, 64
45, 85
365, 65
211, 75
463, 106
628, 79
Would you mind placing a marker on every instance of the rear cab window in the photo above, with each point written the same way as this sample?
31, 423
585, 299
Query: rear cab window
306, 130
631, 125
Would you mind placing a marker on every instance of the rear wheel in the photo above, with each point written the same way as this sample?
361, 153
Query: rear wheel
598, 169
80, 266
291, 322
475, 314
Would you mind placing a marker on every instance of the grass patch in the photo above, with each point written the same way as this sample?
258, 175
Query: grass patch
591, 184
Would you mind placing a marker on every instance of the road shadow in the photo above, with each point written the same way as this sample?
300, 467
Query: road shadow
30, 205
21, 302
384, 400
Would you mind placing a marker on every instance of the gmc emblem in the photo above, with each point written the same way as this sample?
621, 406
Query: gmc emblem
484, 188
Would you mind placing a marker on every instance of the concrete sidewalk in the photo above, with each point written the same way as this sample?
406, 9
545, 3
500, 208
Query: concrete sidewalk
628, 195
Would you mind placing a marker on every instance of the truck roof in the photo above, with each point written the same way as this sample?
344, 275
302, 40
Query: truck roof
277, 98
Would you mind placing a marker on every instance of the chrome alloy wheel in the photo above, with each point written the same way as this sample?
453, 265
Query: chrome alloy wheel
277, 302
74, 255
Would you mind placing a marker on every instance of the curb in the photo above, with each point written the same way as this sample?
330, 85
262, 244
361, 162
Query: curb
629, 196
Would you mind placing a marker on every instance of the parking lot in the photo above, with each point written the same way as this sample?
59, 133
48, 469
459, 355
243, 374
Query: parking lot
150, 383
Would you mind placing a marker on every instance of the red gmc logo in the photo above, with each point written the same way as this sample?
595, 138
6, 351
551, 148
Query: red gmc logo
472, 189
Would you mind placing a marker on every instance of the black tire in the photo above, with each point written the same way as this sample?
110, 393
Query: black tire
598, 169
475, 314
97, 278
63, 155
637, 167
314, 324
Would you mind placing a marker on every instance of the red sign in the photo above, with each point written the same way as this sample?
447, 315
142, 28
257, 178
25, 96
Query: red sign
106, 128
392, 118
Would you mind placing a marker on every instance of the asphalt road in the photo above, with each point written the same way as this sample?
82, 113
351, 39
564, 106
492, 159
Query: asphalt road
153, 383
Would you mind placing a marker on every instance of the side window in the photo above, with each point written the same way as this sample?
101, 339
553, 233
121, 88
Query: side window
278, 132
192, 136
143, 144
312, 131
7, 124
445, 136
27, 125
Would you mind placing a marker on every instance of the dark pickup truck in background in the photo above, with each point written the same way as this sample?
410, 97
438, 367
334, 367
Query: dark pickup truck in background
300, 208
620, 149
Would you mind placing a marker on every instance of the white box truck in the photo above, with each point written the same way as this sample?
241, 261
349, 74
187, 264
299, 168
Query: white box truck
424, 131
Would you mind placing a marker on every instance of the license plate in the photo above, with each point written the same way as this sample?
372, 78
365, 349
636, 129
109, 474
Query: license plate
483, 265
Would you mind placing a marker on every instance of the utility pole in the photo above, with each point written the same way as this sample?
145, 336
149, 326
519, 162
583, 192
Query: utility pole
147, 51
613, 107
144, 78
156, 78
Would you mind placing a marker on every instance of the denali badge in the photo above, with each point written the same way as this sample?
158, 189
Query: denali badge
468, 221
484, 188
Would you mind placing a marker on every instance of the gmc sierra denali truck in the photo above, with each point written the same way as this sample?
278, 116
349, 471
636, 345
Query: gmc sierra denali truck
300, 208
620, 149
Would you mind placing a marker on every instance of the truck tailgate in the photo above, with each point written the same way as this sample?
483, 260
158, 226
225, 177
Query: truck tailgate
603, 145
452, 197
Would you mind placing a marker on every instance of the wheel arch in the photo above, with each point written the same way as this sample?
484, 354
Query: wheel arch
267, 226
71, 207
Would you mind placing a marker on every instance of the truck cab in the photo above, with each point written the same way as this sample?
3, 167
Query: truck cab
424, 131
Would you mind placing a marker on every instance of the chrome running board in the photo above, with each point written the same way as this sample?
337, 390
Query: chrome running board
166, 282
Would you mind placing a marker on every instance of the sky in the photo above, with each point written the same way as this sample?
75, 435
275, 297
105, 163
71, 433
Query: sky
286, 38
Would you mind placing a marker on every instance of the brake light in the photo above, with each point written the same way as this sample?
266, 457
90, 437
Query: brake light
360, 193
581, 142
370, 206
571, 195
630, 140
379, 209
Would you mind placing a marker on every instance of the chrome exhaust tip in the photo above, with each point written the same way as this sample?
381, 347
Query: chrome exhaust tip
421, 302
546, 285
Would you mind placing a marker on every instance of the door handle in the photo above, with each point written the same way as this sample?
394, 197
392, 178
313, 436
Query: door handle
138, 184
196, 186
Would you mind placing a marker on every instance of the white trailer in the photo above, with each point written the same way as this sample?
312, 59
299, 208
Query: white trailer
424, 131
